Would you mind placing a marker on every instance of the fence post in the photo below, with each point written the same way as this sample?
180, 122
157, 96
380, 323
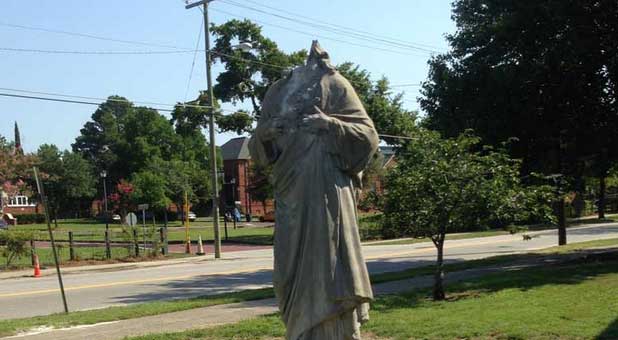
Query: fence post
135, 241
71, 247
32, 250
163, 237
108, 250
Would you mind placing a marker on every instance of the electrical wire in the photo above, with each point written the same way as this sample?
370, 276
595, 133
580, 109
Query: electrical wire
91, 36
70, 101
28, 50
98, 98
407, 85
59, 100
314, 35
342, 27
358, 36
197, 47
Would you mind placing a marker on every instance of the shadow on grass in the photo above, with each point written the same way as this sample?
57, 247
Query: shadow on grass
611, 332
572, 272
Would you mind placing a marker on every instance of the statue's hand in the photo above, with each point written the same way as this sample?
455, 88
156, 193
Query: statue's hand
271, 130
316, 121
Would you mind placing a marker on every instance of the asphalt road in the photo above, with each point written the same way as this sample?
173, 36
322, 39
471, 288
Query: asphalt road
92, 289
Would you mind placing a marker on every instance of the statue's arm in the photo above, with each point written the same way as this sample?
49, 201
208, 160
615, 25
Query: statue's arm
262, 145
352, 136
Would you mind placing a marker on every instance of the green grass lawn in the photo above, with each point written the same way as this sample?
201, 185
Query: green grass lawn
488, 233
575, 301
9, 327
91, 230
448, 237
262, 236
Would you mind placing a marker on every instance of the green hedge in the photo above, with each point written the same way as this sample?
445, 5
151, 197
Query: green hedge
30, 218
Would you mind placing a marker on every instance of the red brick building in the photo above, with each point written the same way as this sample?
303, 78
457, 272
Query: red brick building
237, 178
20, 204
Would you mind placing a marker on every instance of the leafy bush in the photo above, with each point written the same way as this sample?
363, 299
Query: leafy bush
370, 227
15, 244
30, 218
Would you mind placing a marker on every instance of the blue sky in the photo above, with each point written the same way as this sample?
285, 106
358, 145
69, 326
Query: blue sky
164, 78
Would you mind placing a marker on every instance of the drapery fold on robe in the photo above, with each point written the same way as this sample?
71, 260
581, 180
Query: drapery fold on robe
320, 273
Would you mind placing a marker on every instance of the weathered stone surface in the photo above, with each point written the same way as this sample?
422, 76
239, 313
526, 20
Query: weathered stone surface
318, 138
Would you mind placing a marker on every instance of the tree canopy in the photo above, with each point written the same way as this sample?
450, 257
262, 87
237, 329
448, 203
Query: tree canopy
69, 179
162, 157
543, 72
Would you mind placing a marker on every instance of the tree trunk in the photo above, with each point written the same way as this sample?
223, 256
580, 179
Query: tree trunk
438, 285
562, 234
55, 217
602, 196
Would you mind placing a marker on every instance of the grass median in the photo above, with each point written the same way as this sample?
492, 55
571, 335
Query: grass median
11, 327
577, 300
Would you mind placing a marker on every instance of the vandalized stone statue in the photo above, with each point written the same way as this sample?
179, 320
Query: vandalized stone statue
318, 137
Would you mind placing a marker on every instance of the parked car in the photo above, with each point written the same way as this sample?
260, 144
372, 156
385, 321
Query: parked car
116, 218
191, 215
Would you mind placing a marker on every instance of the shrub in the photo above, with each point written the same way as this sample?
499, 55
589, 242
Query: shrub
15, 245
30, 218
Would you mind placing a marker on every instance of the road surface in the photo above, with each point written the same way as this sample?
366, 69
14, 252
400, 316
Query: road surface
92, 289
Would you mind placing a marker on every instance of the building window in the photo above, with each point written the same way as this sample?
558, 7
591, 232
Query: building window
20, 201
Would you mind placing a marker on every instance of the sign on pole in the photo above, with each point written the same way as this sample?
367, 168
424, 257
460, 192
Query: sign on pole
142, 207
131, 219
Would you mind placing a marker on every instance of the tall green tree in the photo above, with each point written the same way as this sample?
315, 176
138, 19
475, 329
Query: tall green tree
446, 185
383, 106
69, 179
537, 71
248, 75
141, 145
261, 188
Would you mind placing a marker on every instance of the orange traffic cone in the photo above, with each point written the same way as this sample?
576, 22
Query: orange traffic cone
37, 267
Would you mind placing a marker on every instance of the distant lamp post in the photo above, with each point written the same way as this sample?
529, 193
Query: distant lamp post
244, 46
104, 177
233, 183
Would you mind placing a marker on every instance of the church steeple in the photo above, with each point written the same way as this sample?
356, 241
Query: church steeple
17, 140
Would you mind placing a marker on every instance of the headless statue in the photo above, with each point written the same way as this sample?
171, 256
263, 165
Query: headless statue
317, 136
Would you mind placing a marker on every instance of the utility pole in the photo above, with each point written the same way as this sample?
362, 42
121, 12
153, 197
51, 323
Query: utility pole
211, 128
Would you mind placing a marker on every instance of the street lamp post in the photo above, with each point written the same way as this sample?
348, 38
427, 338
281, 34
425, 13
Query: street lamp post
233, 183
104, 177
108, 251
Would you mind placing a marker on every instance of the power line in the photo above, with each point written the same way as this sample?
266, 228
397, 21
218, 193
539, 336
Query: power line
60, 100
197, 46
28, 50
340, 26
407, 85
397, 137
98, 104
91, 36
96, 98
354, 35
285, 68
321, 36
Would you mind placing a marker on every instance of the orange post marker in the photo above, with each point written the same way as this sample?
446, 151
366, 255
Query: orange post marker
37, 267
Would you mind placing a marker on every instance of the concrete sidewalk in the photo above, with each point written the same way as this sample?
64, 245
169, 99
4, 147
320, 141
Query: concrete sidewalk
232, 313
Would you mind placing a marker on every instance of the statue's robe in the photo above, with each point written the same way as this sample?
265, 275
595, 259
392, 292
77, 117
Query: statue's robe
320, 276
